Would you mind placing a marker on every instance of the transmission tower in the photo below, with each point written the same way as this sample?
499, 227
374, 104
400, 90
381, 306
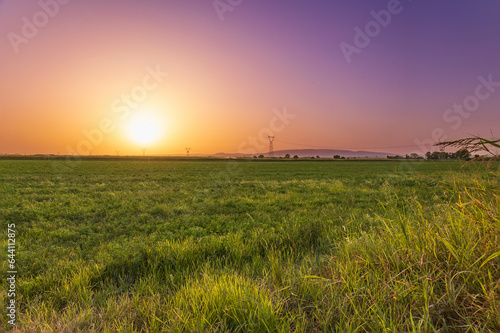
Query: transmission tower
188, 149
144, 152
271, 145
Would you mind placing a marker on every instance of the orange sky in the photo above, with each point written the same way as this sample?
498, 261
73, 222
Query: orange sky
224, 80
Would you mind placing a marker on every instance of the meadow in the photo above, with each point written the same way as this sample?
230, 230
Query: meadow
278, 246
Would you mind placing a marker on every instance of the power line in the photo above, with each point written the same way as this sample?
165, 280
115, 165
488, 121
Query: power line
271, 145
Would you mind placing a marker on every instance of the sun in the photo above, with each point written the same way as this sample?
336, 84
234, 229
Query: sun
144, 128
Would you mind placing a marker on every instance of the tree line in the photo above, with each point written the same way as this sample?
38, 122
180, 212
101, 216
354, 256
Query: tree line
461, 154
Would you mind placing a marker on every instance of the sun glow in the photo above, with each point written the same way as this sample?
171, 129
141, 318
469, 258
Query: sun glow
144, 128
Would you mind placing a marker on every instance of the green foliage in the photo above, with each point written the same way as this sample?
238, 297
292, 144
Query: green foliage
226, 302
150, 246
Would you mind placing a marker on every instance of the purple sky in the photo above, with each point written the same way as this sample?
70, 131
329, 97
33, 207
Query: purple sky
227, 76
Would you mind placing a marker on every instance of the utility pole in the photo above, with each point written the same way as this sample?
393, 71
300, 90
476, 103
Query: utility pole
271, 145
188, 149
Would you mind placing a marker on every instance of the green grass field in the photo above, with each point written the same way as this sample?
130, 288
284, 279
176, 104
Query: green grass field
301, 246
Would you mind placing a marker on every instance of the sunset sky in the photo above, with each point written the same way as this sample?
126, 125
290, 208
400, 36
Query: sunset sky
347, 74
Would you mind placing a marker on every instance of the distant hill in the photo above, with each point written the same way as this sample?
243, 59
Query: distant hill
324, 153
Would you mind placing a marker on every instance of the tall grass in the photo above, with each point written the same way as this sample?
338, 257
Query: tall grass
419, 271
417, 259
